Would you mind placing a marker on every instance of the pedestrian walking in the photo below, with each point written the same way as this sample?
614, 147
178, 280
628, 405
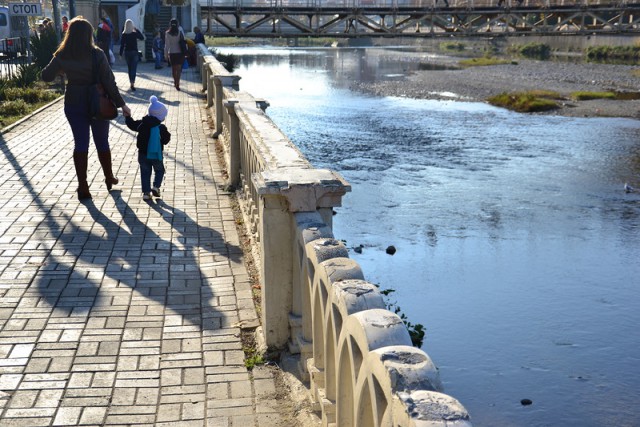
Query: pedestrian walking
151, 139
157, 46
129, 46
75, 58
103, 39
175, 50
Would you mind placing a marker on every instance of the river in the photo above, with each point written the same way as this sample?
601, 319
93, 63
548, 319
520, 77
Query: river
517, 246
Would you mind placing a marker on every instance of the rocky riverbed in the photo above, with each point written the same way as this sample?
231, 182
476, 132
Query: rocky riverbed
480, 82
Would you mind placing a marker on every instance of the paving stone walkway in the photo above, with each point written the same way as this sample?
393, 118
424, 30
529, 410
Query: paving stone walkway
119, 311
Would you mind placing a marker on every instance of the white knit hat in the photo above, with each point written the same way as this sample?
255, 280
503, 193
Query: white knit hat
157, 109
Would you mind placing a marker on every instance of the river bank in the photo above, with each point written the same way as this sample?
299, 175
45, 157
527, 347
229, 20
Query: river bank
481, 82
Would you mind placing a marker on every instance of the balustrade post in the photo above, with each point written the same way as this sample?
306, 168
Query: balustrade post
234, 144
206, 75
283, 193
211, 90
219, 82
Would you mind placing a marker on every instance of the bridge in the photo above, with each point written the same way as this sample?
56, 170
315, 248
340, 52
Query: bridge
417, 18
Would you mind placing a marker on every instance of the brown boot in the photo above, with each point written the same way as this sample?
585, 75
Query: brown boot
80, 162
105, 161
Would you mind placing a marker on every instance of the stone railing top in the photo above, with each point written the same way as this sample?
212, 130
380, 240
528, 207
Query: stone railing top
305, 189
266, 138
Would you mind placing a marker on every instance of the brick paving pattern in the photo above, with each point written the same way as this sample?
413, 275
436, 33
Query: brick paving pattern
119, 311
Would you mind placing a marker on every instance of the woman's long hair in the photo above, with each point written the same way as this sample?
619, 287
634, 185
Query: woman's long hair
128, 27
173, 27
78, 40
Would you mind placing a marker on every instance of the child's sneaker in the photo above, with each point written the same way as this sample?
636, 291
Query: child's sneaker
156, 192
146, 196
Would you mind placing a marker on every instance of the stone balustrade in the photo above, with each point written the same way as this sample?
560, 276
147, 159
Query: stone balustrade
355, 354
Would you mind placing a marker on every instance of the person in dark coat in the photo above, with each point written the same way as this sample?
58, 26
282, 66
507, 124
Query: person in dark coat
103, 38
83, 64
129, 46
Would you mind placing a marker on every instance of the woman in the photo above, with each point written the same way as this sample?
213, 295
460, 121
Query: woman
129, 45
173, 50
75, 58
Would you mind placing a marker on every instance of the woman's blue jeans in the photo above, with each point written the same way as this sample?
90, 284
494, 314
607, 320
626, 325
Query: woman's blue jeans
158, 56
146, 167
132, 57
80, 123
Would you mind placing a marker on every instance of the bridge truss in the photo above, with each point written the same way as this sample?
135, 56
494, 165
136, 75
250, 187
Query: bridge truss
440, 18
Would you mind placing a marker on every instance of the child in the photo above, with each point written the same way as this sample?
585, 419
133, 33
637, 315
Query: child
152, 136
158, 49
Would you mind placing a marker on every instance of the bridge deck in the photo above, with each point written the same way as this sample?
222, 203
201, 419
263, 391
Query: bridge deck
443, 18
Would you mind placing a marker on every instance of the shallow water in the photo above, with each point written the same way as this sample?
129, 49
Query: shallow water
517, 245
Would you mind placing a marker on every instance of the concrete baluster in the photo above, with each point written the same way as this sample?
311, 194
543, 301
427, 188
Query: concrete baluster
214, 98
219, 82
282, 193
206, 80
310, 227
234, 145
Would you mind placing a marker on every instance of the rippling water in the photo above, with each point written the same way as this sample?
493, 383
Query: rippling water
518, 248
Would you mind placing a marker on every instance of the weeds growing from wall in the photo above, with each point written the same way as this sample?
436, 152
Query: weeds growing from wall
416, 330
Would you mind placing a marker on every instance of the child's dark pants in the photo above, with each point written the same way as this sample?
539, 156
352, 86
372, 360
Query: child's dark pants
146, 167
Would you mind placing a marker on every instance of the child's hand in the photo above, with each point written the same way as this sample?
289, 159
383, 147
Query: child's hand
126, 111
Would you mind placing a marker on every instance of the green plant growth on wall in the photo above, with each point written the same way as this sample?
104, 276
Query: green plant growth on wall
416, 330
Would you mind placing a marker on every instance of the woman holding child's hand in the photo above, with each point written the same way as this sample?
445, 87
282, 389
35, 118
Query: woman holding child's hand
84, 64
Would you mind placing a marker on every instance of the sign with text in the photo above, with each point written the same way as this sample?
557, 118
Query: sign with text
25, 9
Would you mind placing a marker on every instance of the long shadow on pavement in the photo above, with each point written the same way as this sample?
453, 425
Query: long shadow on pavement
162, 270
86, 261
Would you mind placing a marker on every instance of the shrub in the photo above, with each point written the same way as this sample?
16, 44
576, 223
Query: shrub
523, 102
613, 52
11, 94
452, 46
584, 96
484, 61
229, 61
27, 75
28, 95
43, 48
14, 108
532, 50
